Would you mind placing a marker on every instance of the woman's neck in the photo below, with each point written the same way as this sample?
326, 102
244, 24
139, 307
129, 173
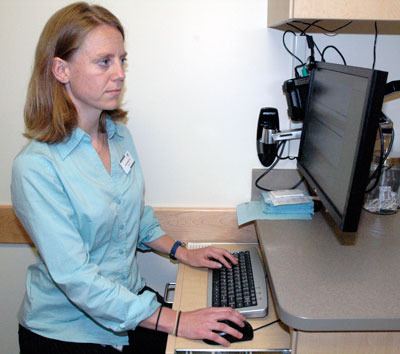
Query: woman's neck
99, 140
91, 126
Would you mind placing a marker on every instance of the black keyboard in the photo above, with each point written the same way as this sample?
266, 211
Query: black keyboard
242, 287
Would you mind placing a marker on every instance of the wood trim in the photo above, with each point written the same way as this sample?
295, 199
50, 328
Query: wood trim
216, 225
190, 224
11, 230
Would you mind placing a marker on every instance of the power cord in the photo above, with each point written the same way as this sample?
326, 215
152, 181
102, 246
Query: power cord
269, 169
290, 52
337, 50
281, 146
376, 175
328, 32
333, 32
266, 325
312, 44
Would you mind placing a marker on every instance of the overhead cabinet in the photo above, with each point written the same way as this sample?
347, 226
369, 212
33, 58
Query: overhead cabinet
285, 14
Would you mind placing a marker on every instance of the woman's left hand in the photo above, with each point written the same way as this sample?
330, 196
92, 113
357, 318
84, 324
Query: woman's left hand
209, 257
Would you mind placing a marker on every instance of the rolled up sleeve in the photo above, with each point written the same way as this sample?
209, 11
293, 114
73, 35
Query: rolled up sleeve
150, 229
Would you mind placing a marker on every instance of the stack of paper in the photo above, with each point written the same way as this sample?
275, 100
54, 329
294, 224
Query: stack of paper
277, 205
291, 204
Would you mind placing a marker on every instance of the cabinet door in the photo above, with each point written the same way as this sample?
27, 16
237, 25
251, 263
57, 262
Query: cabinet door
345, 342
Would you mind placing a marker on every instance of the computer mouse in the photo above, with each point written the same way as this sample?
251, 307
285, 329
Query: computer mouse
247, 331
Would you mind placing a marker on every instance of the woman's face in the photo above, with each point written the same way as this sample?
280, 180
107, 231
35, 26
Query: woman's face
96, 72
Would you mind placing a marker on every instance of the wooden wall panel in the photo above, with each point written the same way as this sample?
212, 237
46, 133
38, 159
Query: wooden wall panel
11, 230
217, 225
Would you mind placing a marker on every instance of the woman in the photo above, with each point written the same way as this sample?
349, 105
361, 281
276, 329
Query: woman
77, 188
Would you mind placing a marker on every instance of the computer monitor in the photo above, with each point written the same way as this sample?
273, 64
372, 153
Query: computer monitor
339, 131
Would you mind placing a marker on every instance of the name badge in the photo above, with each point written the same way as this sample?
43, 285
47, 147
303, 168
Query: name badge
127, 162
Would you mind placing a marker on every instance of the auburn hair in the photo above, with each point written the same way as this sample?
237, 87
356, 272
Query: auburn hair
50, 115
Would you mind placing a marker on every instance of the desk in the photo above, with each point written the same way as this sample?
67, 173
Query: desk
337, 287
341, 298
335, 298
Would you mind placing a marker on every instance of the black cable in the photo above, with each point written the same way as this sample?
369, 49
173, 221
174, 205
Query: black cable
315, 44
381, 154
158, 318
310, 25
314, 24
269, 169
376, 175
375, 40
303, 31
291, 158
287, 49
266, 325
337, 50
286, 157
389, 149
390, 145
296, 28
298, 183
281, 146
296, 68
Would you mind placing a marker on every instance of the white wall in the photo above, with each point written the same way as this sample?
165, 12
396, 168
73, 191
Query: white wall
199, 72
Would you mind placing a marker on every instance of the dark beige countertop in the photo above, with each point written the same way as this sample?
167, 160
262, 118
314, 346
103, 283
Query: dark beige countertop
319, 284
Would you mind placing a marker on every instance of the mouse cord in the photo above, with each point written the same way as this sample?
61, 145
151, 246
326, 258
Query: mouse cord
266, 325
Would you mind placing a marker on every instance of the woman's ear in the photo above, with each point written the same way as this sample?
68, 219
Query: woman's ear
60, 70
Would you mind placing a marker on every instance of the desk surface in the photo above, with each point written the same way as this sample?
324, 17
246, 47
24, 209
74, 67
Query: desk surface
321, 285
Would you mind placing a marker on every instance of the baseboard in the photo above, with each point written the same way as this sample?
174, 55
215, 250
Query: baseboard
190, 224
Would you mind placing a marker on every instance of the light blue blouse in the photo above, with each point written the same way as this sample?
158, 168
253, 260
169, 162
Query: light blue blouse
87, 225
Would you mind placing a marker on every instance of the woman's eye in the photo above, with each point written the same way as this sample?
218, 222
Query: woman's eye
105, 62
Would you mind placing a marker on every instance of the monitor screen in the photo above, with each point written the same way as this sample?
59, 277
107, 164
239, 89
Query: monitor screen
340, 125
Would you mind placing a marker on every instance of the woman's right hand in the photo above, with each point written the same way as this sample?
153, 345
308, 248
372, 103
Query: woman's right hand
201, 324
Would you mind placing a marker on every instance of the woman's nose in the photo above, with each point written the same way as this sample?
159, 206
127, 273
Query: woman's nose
119, 71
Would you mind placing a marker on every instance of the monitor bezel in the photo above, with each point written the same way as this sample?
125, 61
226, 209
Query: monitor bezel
348, 221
